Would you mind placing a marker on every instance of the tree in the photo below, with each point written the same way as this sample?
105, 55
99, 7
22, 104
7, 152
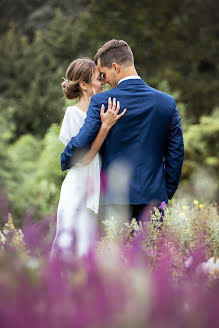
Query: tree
30, 16
31, 83
61, 40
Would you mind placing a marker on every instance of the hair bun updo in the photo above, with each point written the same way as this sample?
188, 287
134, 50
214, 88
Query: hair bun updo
79, 70
71, 89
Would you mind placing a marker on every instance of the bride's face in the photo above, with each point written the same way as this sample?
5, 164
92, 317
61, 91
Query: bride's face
97, 83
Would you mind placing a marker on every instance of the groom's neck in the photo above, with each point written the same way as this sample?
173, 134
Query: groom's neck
127, 71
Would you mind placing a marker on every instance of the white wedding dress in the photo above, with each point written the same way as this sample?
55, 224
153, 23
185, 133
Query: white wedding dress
79, 197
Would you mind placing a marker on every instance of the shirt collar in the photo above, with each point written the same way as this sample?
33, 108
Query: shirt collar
130, 77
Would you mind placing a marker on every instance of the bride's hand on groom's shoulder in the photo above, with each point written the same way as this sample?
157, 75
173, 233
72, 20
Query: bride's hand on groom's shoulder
111, 116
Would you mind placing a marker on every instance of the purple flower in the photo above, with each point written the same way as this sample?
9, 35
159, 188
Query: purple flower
162, 206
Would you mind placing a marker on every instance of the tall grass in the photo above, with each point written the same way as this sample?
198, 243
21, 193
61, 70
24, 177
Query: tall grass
154, 274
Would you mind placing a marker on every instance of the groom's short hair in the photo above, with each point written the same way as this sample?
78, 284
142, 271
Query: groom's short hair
117, 51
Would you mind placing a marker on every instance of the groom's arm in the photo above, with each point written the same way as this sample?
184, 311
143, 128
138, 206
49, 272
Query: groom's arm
174, 154
77, 146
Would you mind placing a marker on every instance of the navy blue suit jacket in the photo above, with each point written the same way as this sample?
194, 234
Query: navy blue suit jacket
149, 137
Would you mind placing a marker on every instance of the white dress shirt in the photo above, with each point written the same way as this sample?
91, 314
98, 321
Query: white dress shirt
130, 77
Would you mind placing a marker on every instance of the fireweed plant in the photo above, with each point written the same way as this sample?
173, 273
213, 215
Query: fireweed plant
158, 273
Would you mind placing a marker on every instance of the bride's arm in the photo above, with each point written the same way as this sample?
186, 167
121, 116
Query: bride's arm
109, 118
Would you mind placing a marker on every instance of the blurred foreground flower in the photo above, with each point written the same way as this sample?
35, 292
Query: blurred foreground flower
137, 276
10, 235
2, 238
188, 262
211, 267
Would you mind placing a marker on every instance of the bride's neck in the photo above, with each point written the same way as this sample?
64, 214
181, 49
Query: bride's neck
84, 102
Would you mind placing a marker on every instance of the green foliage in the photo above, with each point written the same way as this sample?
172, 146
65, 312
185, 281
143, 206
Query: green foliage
65, 48
6, 128
37, 14
31, 84
201, 141
48, 177
23, 156
200, 168
13, 55
35, 176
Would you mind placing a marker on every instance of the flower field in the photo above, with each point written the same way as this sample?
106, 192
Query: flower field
160, 273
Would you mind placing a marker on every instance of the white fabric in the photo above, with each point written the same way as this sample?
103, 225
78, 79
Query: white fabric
80, 191
130, 77
71, 125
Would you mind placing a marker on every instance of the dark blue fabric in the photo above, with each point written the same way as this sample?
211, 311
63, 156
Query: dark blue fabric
148, 137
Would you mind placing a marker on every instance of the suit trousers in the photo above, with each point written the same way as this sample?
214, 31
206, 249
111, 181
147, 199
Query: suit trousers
125, 213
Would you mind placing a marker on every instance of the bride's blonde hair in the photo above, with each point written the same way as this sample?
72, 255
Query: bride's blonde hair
81, 69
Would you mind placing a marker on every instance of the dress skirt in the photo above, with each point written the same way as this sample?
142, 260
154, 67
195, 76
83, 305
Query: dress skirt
76, 224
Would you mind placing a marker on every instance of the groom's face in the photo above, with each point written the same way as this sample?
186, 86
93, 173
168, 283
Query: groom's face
108, 74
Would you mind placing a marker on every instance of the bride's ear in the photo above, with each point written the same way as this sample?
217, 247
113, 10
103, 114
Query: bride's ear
83, 85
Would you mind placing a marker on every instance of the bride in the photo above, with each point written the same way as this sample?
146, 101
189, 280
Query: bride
79, 197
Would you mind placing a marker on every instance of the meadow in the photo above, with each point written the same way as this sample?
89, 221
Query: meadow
159, 273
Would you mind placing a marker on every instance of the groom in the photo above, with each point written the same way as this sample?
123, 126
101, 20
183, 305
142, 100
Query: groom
147, 140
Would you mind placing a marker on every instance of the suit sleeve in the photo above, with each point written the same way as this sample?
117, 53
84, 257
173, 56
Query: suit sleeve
174, 154
80, 143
